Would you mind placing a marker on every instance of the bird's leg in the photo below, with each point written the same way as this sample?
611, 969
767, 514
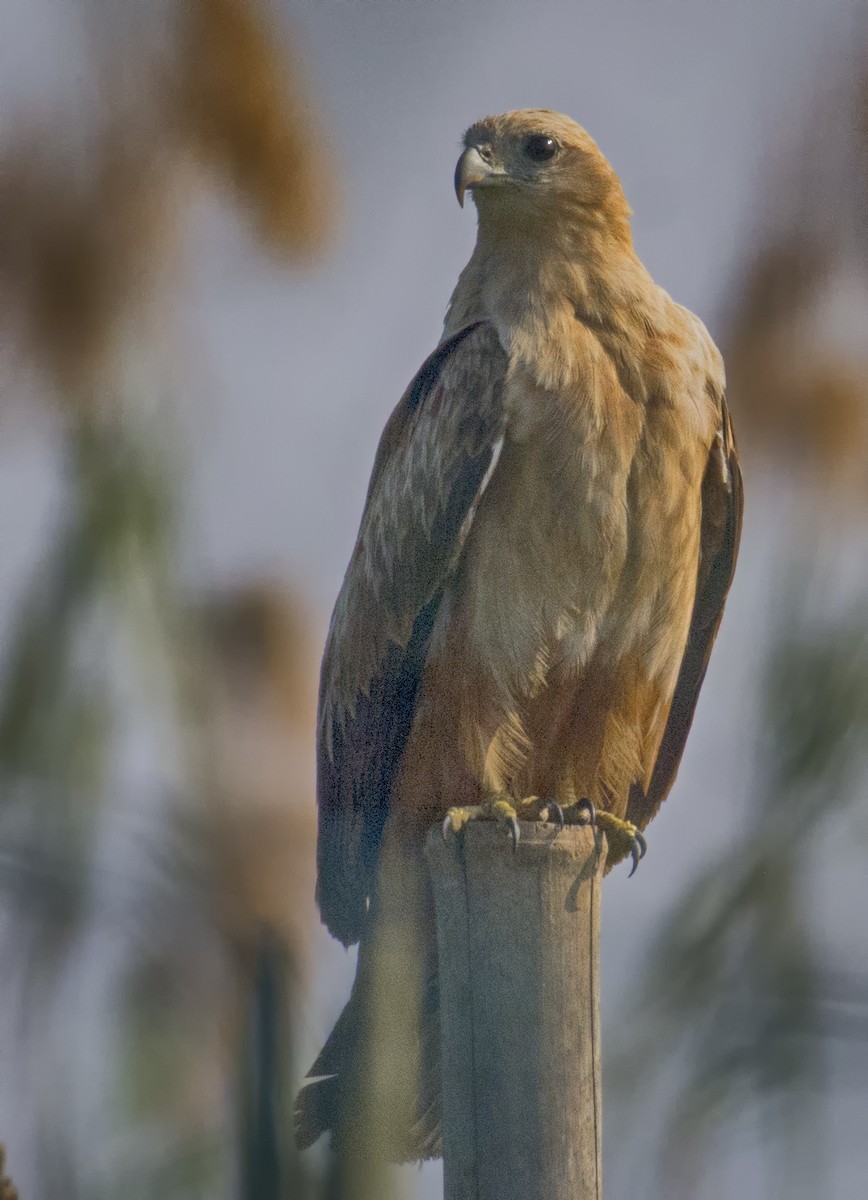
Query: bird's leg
541, 808
623, 836
499, 806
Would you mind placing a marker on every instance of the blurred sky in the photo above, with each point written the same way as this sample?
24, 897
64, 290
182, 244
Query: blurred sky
287, 379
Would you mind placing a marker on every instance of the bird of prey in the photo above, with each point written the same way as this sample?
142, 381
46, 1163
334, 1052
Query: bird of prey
550, 532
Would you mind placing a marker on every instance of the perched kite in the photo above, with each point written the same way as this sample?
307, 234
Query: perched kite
549, 536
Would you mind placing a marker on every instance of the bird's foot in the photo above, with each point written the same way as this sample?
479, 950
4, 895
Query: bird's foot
540, 808
498, 808
505, 808
623, 836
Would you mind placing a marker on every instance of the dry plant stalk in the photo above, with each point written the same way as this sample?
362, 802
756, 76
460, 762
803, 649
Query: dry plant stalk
798, 379
261, 673
86, 244
258, 694
242, 109
795, 396
8, 1190
79, 248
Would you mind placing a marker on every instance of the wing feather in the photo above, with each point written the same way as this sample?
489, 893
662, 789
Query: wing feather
722, 508
435, 457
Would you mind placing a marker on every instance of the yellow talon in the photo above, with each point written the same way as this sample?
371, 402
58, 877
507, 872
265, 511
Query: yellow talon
623, 831
457, 818
502, 810
493, 810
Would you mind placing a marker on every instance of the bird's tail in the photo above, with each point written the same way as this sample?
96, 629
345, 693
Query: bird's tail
375, 1085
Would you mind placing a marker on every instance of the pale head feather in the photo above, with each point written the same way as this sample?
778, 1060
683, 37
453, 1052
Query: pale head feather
576, 183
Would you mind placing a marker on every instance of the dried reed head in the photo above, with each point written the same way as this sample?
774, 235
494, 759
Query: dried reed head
8, 1191
797, 357
81, 246
240, 105
262, 674
798, 396
85, 238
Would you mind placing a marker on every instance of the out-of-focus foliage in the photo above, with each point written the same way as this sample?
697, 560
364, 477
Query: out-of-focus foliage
259, 686
797, 355
233, 94
200, 889
801, 396
8, 1191
88, 237
737, 984
742, 985
82, 246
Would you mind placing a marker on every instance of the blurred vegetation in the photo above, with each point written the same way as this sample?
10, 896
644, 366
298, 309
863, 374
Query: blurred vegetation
8, 1190
196, 882
749, 986
742, 983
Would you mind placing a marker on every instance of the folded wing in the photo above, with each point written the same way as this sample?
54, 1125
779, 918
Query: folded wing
434, 460
722, 506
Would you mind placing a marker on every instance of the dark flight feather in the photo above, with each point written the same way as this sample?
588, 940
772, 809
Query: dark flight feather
433, 462
722, 510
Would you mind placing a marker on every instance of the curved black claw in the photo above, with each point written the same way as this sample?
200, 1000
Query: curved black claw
446, 826
553, 809
638, 849
515, 832
586, 806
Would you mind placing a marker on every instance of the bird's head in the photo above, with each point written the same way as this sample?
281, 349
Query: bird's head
536, 163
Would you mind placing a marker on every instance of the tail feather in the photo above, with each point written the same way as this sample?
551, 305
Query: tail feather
316, 1110
339, 1044
317, 1107
335, 1099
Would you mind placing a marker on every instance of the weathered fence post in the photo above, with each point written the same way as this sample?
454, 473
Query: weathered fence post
518, 943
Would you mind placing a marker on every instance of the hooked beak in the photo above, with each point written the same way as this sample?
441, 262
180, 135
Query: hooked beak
471, 171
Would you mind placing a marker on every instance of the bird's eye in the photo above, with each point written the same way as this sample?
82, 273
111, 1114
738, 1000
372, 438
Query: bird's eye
539, 147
